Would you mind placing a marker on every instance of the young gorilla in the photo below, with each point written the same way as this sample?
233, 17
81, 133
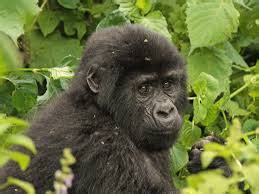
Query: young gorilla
120, 116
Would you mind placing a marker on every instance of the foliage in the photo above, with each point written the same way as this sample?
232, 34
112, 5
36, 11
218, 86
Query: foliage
242, 157
218, 38
11, 134
64, 177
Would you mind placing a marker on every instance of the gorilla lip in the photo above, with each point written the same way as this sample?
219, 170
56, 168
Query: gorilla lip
161, 132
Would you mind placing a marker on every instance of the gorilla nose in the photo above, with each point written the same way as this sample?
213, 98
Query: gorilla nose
164, 113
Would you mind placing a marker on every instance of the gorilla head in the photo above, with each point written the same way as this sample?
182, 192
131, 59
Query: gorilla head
138, 77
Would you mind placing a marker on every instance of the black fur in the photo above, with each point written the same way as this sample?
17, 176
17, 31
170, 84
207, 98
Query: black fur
111, 158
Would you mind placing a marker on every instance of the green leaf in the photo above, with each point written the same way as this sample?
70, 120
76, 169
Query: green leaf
25, 94
48, 21
17, 125
6, 105
74, 22
126, 6
3, 160
53, 88
253, 84
27, 187
200, 111
9, 54
51, 51
242, 3
190, 133
213, 62
70, 4
144, 6
250, 125
155, 21
211, 22
248, 26
207, 87
61, 72
113, 19
234, 56
233, 109
250, 173
16, 15
179, 157
21, 140
207, 157
210, 182
22, 159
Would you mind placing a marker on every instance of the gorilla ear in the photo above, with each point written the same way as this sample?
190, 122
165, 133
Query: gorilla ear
93, 79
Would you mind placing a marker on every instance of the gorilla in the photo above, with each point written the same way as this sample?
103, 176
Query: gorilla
120, 116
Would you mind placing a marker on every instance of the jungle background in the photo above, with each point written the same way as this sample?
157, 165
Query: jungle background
41, 42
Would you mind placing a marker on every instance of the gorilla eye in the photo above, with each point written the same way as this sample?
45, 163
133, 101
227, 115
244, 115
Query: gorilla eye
167, 84
144, 89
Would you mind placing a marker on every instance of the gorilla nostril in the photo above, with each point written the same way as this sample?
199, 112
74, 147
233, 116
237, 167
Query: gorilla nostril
162, 114
165, 113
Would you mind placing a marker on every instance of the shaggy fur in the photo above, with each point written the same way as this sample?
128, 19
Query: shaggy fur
108, 161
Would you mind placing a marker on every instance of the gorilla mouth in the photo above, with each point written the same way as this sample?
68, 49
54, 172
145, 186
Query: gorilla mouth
161, 131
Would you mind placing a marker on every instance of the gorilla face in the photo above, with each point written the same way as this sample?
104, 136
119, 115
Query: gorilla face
141, 84
148, 104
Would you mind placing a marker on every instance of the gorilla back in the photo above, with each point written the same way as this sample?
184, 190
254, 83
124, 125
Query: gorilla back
120, 117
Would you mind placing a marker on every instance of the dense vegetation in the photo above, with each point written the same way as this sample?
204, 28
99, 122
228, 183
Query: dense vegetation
40, 47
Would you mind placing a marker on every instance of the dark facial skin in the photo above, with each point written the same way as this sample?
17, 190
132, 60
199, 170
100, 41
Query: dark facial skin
155, 97
148, 109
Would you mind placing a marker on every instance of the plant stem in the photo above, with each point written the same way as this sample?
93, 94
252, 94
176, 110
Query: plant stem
239, 90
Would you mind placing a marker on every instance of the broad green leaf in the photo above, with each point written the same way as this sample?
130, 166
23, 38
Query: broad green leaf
3, 159
207, 157
206, 87
48, 21
248, 26
200, 111
70, 4
253, 84
25, 94
251, 173
53, 88
22, 159
190, 133
155, 21
213, 62
212, 114
113, 19
234, 56
3, 127
60, 72
51, 51
233, 109
210, 182
250, 125
242, 3
211, 22
6, 105
106, 7
23, 141
235, 131
179, 157
16, 15
126, 6
74, 22
144, 5
17, 125
27, 187
9, 55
